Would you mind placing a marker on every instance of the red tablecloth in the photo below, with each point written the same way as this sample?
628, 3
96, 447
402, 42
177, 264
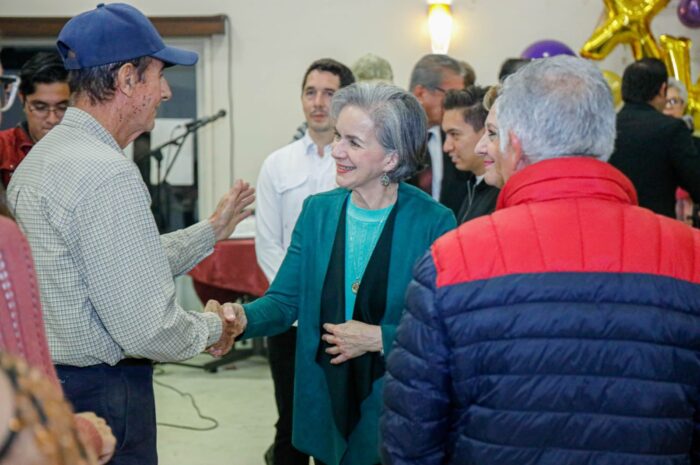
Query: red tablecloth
229, 273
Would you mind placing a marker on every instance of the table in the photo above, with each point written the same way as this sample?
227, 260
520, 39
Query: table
231, 273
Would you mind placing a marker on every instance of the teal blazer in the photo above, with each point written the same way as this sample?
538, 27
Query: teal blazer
295, 294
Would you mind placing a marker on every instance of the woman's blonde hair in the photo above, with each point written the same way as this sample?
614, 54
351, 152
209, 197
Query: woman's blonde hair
491, 96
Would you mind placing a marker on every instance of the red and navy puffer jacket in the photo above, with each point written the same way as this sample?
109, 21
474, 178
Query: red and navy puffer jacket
562, 329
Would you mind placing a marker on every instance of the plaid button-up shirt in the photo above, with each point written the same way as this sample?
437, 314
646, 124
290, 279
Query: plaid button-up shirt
105, 274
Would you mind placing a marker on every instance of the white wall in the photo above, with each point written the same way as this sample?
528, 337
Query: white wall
275, 40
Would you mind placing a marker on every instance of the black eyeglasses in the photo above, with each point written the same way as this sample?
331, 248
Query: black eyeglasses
43, 109
440, 89
672, 102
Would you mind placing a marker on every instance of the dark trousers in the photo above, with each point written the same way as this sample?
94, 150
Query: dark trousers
318, 462
123, 396
281, 352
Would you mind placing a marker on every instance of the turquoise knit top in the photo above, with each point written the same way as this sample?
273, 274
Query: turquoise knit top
362, 230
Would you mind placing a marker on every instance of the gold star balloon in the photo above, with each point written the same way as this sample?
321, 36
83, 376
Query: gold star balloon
627, 22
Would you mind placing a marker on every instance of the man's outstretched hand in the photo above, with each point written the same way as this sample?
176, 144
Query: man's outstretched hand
232, 209
233, 322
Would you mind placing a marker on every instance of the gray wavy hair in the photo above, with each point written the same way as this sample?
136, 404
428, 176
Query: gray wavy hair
429, 70
678, 85
400, 123
559, 106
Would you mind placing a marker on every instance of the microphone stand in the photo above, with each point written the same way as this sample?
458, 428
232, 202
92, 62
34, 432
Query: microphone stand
161, 203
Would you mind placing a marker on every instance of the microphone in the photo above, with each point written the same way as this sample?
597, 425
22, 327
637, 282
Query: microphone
198, 123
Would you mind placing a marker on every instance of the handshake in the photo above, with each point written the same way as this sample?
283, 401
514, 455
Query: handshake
233, 321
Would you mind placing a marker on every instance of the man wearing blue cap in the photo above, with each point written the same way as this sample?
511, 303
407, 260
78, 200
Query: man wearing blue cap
106, 276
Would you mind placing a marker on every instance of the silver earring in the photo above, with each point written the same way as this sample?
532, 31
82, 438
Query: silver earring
385, 180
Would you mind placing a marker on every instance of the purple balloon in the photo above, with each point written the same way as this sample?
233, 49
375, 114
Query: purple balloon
689, 13
546, 49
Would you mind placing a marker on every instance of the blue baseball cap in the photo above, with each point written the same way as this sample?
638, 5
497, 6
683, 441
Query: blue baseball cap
113, 33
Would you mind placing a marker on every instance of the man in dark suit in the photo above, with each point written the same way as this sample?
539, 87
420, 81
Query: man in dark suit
463, 126
431, 78
654, 150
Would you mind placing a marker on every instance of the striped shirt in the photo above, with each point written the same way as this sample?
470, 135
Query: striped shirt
105, 274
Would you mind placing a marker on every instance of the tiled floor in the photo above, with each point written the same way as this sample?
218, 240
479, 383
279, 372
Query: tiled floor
240, 399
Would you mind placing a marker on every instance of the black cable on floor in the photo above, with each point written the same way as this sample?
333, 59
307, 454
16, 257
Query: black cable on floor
215, 423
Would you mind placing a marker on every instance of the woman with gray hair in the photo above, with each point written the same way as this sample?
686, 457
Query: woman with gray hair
676, 99
346, 272
676, 105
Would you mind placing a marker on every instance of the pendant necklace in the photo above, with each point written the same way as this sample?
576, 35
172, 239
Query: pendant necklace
355, 286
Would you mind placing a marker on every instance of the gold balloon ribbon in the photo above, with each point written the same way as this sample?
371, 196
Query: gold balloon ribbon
676, 53
628, 22
615, 83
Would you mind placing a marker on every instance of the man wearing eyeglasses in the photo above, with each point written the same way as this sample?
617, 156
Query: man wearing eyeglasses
44, 94
432, 76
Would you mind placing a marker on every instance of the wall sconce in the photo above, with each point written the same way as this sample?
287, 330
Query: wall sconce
440, 24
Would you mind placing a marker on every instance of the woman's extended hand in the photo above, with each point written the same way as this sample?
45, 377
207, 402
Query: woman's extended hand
233, 321
351, 339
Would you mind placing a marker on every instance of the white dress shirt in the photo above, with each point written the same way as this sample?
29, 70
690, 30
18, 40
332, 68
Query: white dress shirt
435, 151
288, 176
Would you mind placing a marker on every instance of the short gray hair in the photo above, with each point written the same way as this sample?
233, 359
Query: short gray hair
400, 124
371, 67
99, 83
428, 72
559, 106
678, 85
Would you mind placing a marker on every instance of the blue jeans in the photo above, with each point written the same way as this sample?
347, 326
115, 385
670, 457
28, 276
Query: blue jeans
123, 396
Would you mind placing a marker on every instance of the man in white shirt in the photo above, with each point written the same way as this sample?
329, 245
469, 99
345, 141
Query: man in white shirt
432, 76
288, 176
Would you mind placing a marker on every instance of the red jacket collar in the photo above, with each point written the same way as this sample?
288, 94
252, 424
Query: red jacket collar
567, 178
24, 140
